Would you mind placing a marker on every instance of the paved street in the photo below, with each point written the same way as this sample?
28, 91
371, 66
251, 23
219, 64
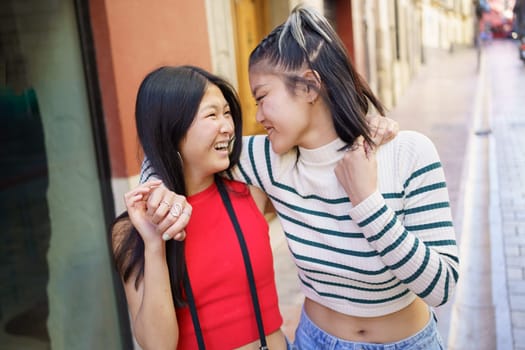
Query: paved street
506, 75
457, 106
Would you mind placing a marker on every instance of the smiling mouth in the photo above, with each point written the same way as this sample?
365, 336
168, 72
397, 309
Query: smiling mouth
225, 145
222, 146
268, 128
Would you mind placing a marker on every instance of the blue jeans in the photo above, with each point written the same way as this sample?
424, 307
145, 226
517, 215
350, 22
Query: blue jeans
310, 337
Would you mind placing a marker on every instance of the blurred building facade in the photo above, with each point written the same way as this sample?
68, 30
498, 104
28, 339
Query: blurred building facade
388, 41
74, 67
394, 37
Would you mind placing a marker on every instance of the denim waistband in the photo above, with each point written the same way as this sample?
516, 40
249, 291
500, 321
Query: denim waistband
313, 331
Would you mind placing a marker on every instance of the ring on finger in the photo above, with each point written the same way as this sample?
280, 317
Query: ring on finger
166, 202
176, 210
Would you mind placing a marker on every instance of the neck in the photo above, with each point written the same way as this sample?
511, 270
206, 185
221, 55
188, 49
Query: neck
195, 185
321, 130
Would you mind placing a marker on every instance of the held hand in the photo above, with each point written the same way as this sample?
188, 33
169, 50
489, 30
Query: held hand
169, 211
357, 171
382, 129
136, 200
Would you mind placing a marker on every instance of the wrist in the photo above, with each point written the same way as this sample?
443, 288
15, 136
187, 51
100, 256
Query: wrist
357, 198
155, 248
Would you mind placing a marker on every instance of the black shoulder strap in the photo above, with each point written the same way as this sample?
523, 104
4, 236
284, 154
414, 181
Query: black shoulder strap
193, 311
247, 262
249, 272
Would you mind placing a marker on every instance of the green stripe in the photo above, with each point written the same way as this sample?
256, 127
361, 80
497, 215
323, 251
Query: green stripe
383, 231
252, 160
432, 285
445, 296
330, 248
422, 171
355, 300
429, 226
373, 216
354, 287
455, 275
320, 230
419, 271
427, 189
339, 266
244, 174
299, 209
441, 243
339, 276
395, 244
428, 207
393, 195
407, 257
452, 257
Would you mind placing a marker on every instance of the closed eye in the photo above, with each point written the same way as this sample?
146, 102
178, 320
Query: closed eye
259, 99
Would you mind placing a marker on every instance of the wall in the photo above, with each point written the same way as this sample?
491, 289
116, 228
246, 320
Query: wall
131, 39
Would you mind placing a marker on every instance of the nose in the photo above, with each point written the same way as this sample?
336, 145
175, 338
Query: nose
259, 117
227, 125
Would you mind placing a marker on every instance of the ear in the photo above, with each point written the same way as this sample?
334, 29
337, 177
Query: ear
312, 84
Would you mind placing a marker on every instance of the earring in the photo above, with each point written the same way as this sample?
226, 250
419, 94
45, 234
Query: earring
180, 158
230, 144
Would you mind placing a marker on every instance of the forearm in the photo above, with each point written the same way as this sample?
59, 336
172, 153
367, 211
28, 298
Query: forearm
156, 323
424, 257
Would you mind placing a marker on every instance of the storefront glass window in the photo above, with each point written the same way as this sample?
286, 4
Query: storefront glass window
56, 288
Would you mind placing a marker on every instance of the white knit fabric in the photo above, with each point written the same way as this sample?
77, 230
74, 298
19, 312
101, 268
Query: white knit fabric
372, 259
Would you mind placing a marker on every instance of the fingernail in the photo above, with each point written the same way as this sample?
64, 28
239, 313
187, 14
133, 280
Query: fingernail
165, 237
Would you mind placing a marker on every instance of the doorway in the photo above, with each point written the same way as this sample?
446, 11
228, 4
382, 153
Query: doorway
250, 27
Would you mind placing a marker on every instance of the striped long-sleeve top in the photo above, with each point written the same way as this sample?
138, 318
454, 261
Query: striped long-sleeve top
372, 259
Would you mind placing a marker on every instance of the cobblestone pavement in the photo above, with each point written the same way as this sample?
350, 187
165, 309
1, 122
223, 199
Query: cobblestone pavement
506, 77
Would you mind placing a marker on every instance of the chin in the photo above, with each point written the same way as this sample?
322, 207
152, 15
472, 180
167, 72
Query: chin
222, 166
280, 149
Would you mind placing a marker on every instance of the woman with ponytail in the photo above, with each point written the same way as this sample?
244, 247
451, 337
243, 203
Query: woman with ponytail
369, 227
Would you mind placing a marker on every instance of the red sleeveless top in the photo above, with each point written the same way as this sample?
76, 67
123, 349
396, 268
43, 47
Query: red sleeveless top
218, 275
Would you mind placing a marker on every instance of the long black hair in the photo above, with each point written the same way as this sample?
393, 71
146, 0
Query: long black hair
168, 100
308, 39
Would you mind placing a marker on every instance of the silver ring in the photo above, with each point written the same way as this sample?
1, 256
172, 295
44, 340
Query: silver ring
166, 202
176, 210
